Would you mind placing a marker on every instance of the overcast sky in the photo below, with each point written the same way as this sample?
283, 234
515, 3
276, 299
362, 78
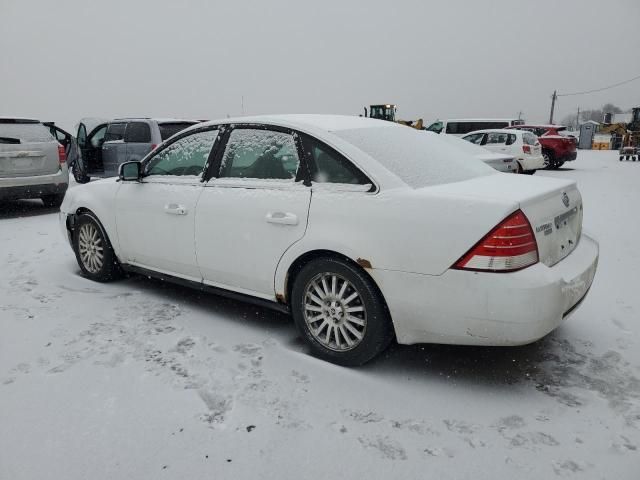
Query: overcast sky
63, 60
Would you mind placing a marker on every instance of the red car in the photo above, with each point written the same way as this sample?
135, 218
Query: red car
556, 147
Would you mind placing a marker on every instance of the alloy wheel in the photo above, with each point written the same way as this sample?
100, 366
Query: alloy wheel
334, 312
90, 247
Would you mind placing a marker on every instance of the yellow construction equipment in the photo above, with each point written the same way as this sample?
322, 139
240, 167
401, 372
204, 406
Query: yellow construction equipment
387, 111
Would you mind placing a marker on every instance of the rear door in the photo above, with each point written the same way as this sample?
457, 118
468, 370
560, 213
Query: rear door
90, 144
137, 138
27, 148
254, 210
113, 149
497, 142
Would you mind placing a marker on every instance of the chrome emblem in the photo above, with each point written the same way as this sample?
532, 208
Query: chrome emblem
565, 199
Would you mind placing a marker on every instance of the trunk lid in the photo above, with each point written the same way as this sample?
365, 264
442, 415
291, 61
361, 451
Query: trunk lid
29, 159
552, 206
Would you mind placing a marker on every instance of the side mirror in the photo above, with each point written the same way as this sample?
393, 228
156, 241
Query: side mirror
130, 171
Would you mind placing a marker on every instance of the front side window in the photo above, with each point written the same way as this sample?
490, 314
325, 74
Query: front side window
329, 166
138, 132
98, 137
115, 131
260, 154
495, 138
186, 156
511, 139
82, 135
435, 127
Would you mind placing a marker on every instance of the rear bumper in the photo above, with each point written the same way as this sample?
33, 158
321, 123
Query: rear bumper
34, 187
532, 162
477, 308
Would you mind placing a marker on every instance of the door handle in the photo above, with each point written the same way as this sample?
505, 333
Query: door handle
283, 218
175, 209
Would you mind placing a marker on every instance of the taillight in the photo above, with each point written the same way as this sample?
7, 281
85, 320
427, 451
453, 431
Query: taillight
508, 247
526, 148
153, 146
62, 155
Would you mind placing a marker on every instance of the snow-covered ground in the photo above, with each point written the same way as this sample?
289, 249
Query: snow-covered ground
139, 379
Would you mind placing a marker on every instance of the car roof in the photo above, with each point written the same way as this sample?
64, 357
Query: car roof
18, 120
496, 130
158, 120
478, 120
326, 123
548, 127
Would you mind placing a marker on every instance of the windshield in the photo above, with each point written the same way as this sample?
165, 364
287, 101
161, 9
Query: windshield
418, 158
25, 132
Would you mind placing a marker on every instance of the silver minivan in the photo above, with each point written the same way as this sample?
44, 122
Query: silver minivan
105, 144
32, 162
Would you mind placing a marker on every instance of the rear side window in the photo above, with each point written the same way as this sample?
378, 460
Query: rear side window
260, 154
169, 129
138, 132
25, 132
115, 131
529, 138
329, 166
511, 139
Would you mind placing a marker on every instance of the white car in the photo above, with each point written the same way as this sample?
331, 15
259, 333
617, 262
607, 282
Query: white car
364, 230
521, 144
499, 161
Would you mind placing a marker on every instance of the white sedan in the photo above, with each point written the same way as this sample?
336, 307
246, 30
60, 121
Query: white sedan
364, 230
521, 144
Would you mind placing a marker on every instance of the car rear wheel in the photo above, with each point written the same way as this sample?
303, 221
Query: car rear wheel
93, 250
53, 200
339, 312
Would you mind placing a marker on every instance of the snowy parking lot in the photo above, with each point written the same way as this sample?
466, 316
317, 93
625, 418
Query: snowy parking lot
145, 380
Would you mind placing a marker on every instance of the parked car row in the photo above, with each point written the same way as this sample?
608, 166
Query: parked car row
545, 146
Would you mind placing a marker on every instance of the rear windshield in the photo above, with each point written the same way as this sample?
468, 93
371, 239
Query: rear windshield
25, 132
418, 158
169, 129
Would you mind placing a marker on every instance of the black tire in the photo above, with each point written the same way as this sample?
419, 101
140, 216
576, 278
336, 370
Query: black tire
549, 160
377, 332
529, 172
52, 201
109, 268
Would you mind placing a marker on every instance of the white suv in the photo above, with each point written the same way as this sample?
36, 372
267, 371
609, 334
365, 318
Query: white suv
32, 162
522, 145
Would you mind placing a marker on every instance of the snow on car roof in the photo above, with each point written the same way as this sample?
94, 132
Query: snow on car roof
328, 123
497, 130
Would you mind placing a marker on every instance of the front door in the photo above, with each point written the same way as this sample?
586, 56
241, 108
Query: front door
155, 217
113, 148
252, 211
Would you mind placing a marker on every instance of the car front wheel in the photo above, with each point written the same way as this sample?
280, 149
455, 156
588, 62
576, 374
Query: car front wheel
340, 312
93, 250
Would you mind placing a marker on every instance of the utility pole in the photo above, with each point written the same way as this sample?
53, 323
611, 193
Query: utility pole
553, 106
578, 120
242, 103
